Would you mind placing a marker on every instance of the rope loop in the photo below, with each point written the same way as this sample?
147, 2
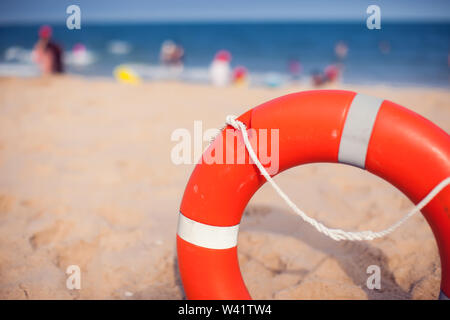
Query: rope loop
335, 234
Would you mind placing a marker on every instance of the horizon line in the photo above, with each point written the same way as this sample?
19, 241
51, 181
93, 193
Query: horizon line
220, 21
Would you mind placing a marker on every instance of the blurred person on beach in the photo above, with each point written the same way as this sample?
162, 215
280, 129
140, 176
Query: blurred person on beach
220, 69
48, 54
333, 72
317, 78
330, 74
171, 54
240, 76
80, 56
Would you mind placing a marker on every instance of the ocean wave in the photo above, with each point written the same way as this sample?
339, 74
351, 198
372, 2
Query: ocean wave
18, 70
119, 47
80, 58
18, 54
202, 75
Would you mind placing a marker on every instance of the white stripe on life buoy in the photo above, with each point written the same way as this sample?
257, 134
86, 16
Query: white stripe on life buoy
205, 235
358, 129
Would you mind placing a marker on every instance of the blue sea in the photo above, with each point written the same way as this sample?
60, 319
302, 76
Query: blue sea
398, 54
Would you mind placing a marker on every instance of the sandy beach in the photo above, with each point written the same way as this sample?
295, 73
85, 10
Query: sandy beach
86, 179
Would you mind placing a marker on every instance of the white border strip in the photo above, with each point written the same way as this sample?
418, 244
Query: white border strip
207, 236
358, 129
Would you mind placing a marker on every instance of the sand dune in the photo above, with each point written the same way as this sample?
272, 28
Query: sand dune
86, 178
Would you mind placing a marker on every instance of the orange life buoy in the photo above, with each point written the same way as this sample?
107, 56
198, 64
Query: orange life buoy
336, 126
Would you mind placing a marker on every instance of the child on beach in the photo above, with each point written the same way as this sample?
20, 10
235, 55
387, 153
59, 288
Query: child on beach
220, 69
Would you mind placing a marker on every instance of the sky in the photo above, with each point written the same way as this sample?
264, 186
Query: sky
54, 11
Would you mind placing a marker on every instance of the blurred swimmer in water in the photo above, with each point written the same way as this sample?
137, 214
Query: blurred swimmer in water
48, 54
341, 51
295, 69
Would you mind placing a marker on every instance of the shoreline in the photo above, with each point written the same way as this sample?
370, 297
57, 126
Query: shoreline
301, 86
304, 82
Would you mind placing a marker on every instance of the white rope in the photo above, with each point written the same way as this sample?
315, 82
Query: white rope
335, 234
